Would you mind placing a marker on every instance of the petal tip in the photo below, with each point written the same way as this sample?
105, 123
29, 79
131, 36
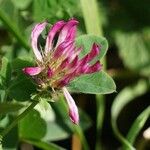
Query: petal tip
32, 71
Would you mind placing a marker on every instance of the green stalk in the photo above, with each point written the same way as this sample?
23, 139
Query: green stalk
91, 17
14, 123
93, 26
80, 134
12, 28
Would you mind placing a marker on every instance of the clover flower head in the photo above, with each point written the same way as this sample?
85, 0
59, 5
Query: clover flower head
58, 62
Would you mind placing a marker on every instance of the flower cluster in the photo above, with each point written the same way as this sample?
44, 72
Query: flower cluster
58, 62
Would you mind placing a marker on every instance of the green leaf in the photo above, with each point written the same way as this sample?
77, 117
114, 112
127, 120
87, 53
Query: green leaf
44, 126
19, 63
5, 72
96, 83
55, 10
21, 89
138, 125
9, 107
123, 98
22, 86
10, 141
49, 125
135, 45
44, 145
10, 17
87, 41
32, 126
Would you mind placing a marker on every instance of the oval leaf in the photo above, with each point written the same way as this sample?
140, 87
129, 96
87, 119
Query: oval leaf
96, 83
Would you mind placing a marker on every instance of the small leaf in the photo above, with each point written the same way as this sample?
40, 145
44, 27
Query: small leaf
96, 83
88, 40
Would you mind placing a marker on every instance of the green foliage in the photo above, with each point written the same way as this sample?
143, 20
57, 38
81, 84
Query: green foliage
49, 125
138, 125
21, 93
86, 41
16, 90
135, 46
9, 107
21, 4
8, 13
96, 83
5, 73
50, 10
37, 126
123, 98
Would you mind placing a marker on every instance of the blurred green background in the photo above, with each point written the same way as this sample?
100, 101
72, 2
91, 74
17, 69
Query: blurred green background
123, 115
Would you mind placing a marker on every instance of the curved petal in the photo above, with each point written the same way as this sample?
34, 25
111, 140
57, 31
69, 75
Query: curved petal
63, 48
94, 68
95, 50
32, 71
53, 31
34, 39
73, 110
68, 31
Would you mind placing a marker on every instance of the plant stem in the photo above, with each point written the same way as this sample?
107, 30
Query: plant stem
21, 116
94, 26
80, 134
91, 17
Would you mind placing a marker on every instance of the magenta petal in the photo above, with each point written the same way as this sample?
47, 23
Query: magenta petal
73, 110
63, 48
94, 52
65, 80
53, 31
81, 70
68, 31
94, 68
32, 71
64, 63
84, 60
71, 34
74, 63
34, 39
